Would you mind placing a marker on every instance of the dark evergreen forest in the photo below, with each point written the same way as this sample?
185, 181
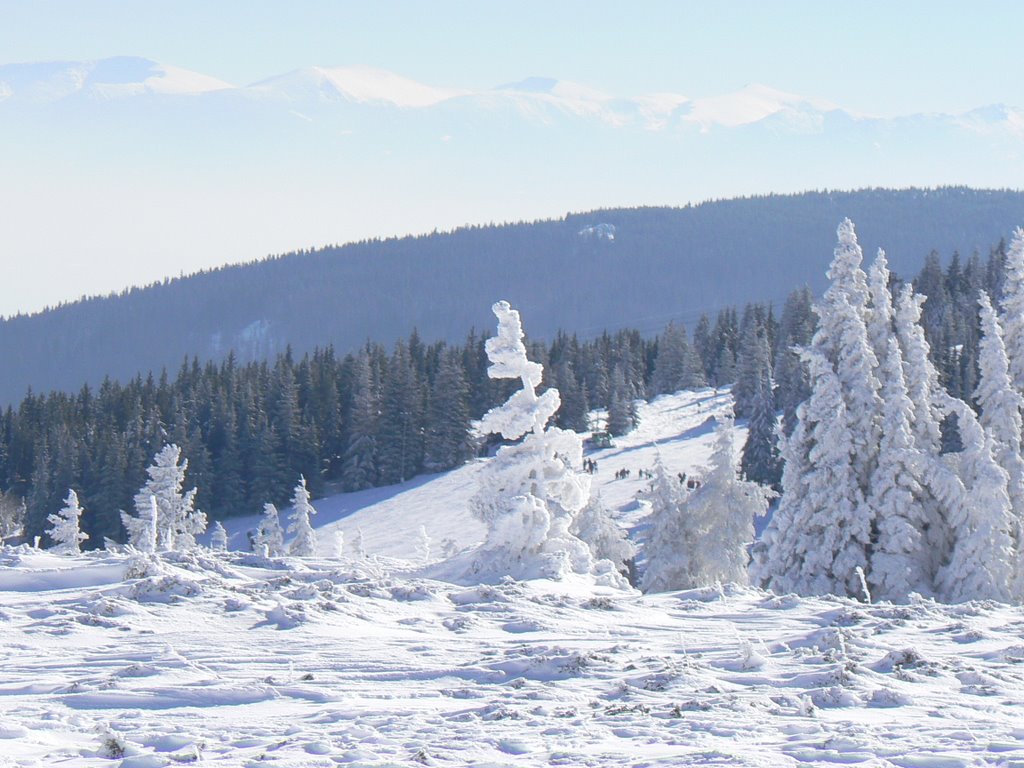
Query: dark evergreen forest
379, 416
662, 264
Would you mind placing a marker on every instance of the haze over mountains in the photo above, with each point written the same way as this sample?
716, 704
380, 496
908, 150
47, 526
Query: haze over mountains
152, 170
584, 273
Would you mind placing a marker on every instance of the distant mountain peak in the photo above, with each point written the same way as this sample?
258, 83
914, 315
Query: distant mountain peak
113, 77
358, 84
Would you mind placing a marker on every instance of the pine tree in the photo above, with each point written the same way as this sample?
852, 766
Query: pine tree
796, 329
622, 412
677, 366
304, 543
899, 564
671, 545
448, 443
360, 463
178, 522
400, 450
821, 533
1013, 308
531, 491
760, 462
1001, 408
269, 534
980, 565
724, 507
64, 531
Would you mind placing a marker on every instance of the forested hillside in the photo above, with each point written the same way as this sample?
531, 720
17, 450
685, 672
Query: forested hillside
647, 266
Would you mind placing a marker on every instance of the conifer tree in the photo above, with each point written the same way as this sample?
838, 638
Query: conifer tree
671, 545
899, 564
760, 462
531, 491
269, 534
1013, 307
980, 566
178, 522
304, 543
64, 530
448, 441
360, 463
677, 366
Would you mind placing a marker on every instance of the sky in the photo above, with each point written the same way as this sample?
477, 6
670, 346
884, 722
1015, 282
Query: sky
873, 58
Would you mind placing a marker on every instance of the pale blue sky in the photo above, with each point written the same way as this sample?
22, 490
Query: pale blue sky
880, 57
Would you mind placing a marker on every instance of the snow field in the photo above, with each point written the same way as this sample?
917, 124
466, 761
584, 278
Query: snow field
238, 660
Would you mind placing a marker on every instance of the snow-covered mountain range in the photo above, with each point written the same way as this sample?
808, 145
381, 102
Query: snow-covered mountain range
541, 99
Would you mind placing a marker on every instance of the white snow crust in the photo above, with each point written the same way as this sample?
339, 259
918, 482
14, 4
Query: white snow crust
235, 659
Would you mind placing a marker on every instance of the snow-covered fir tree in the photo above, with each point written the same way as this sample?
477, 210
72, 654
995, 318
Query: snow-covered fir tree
531, 491
723, 509
702, 537
671, 546
65, 532
981, 563
269, 537
178, 522
304, 543
1013, 308
1001, 407
821, 531
606, 538
218, 538
899, 563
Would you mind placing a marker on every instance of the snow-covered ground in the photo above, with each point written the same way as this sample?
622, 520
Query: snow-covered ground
235, 660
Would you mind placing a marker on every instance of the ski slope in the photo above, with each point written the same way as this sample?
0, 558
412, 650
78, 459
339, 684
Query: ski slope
235, 660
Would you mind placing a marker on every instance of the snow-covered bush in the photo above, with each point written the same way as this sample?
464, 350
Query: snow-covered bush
606, 538
219, 538
532, 490
65, 533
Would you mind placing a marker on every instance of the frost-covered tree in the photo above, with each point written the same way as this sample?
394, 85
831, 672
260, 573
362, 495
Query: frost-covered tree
606, 538
218, 538
304, 543
880, 314
702, 537
671, 546
899, 563
532, 490
981, 563
178, 522
143, 528
821, 532
1013, 308
65, 532
1001, 407
796, 329
269, 537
